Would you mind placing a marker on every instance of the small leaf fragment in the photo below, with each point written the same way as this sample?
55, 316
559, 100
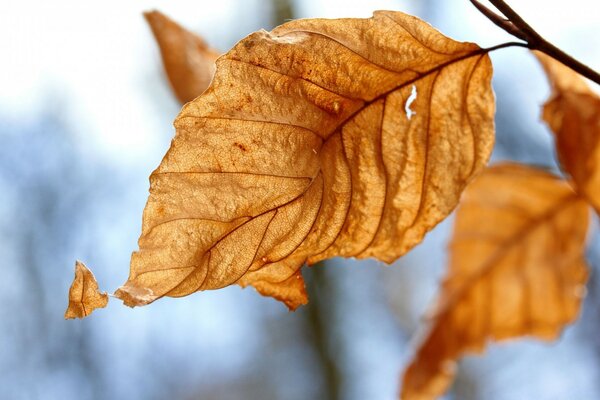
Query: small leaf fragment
573, 114
517, 267
84, 296
189, 61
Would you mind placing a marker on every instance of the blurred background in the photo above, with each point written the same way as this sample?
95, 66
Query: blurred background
86, 114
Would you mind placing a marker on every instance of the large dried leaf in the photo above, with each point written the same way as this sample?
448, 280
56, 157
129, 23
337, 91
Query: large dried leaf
308, 145
573, 113
516, 268
188, 60
84, 296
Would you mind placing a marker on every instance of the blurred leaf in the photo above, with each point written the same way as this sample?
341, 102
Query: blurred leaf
517, 267
307, 146
188, 60
573, 113
84, 296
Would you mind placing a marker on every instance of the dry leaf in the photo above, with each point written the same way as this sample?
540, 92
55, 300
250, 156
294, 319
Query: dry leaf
188, 60
310, 144
573, 113
84, 296
517, 267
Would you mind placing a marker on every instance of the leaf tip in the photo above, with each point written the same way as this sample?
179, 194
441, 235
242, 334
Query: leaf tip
154, 16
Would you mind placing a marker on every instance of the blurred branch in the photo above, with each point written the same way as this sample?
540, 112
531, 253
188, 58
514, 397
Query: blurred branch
283, 11
319, 320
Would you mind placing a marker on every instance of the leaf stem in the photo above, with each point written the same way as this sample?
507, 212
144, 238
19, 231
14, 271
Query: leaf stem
512, 23
505, 45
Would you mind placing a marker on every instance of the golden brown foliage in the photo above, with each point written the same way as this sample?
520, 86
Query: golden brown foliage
354, 138
188, 60
573, 113
517, 267
84, 296
294, 155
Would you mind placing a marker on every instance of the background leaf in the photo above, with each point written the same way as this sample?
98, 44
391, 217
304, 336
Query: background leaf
189, 61
517, 267
573, 114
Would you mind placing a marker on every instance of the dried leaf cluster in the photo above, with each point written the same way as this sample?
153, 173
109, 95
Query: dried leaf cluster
294, 155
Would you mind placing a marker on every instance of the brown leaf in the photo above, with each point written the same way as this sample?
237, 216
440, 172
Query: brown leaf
84, 296
188, 60
573, 113
302, 149
517, 267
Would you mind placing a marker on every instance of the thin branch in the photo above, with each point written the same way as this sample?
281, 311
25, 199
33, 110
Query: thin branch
516, 19
499, 20
575, 65
516, 26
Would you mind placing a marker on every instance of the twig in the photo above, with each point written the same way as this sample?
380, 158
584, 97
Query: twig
531, 35
516, 26
502, 22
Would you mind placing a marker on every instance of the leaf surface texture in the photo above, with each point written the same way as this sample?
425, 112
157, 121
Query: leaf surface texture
303, 148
